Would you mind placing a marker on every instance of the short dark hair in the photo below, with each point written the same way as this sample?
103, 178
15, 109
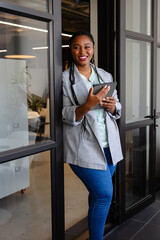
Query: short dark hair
80, 33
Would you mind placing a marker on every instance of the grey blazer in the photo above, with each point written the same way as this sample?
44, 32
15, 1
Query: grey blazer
84, 148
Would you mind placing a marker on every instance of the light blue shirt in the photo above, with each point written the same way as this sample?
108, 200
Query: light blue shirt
100, 116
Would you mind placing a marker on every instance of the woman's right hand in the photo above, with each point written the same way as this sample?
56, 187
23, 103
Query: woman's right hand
93, 100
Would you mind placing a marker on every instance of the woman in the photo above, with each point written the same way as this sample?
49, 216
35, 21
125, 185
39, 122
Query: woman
91, 137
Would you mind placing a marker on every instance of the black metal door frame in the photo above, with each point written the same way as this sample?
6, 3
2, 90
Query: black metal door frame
121, 34
53, 18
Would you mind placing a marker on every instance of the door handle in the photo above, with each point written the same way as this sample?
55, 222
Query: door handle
149, 116
154, 117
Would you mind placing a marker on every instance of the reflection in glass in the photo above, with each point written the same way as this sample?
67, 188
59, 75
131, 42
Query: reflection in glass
158, 120
138, 16
24, 98
158, 23
41, 5
137, 165
76, 198
25, 198
138, 80
75, 17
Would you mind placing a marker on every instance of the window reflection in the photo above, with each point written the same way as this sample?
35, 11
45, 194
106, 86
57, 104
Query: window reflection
25, 198
24, 93
41, 5
137, 165
138, 16
158, 22
158, 120
138, 80
75, 17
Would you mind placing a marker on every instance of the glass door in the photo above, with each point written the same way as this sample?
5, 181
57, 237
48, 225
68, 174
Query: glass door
158, 102
136, 58
31, 161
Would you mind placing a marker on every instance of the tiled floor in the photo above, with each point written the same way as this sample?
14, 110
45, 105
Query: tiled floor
142, 226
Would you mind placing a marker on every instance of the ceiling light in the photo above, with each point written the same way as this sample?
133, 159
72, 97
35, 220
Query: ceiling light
23, 26
66, 35
19, 47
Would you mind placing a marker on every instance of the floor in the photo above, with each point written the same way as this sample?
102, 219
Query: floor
142, 226
76, 198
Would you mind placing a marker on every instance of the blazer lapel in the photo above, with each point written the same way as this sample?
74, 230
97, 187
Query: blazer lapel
79, 87
81, 93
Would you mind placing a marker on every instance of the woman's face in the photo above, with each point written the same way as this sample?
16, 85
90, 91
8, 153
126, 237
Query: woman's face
82, 50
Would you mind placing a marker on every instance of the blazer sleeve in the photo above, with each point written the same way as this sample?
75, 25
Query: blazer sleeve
117, 113
69, 106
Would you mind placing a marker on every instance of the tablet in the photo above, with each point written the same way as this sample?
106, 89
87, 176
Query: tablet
99, 86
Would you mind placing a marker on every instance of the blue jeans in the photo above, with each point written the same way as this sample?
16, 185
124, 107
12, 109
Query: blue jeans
100, 187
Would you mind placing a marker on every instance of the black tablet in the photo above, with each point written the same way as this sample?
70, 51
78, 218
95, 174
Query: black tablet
99, 86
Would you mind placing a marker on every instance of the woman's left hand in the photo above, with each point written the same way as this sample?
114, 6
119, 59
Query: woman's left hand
109, 103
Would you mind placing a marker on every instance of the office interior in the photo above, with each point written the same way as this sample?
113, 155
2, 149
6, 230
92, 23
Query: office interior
40, 197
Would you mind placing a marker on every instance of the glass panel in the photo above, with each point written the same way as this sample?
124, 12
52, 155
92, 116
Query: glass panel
138, 80
158, 120
41, 5
137, 165
76, 200
75, 17
158, 23
138, 16
24, 98
25, 198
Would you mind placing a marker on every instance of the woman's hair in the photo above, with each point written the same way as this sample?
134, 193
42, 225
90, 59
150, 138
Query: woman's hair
80, 33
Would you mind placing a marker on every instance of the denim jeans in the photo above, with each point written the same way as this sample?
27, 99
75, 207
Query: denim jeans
100, 187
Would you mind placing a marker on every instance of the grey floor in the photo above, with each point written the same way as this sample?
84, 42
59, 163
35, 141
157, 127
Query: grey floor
142, 226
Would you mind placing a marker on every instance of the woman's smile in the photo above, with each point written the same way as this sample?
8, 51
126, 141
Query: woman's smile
83, 58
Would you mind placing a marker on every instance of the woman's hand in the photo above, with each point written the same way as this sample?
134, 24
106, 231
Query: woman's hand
92, 100
109, 103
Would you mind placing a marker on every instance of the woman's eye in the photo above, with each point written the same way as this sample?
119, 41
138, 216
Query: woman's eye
76, 47
87, 47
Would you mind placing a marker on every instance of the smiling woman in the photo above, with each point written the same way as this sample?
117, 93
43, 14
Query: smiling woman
96, 149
